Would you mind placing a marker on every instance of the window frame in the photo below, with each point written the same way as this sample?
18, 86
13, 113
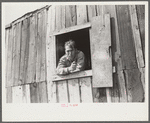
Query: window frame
80, 74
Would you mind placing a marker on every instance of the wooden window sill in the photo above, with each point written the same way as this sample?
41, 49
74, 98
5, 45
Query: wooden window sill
80, 74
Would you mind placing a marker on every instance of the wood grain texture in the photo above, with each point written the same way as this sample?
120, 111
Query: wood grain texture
126, 37
7, 31
74, 92
91, 11
50, 56
17, 94
62, 92
101, 52
34, 93
39, 48
134, 86
17, 61
141, 21
14, 54
43, 43
26, 59
70, 15
122, 86
137, 37
86, 90
9, 58
81, 14
23, 51
26, 94
9, 95
99, 9
32, 50
42, 88
142, 70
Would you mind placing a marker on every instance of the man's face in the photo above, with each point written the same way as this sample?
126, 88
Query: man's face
70, 52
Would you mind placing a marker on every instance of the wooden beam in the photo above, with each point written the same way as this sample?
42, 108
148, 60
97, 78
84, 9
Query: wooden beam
80, 74
71, 29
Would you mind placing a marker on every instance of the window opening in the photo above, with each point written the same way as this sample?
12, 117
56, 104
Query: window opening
82, 40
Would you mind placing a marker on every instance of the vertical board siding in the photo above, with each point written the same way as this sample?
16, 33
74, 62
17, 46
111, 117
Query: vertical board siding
31, 56
32, 46
26, 51
51, 57
141, 21
86, 90
62, 92
134, 86
34, 93
23, 51
39, 48
74, 91
43, 40
17, 94
126, 38
62, 85
17, 60
26, 93
136, 35
71, 15
122, 87
42, 88
81, 14
9, 95
13, 55
9, 59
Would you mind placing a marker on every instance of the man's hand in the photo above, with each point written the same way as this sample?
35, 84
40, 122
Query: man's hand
73, 66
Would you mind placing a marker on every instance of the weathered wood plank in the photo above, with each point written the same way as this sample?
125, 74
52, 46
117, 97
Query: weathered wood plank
34, 93
58, 17
136, 35
63, 16
80, 74
17, 94
7, 31
9, 95
50, 56
23, 51
122, 87
81, 14
62, 92
14, 54
86, 90
126, 37
26, 59
74, 94
141, 22
71, 29
8, 56
71, 15
42, 88
39, 48
91, 11
134, 85
43, 40
114, 91
142, 70
32, 50
17, 62
101, 52
26, 93
99, 9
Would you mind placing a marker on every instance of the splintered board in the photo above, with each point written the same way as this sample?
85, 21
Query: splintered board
101, 52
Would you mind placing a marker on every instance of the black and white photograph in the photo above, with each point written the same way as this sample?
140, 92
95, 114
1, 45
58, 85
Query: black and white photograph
70, 55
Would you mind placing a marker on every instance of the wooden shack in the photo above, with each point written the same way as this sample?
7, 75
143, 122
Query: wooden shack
111, 36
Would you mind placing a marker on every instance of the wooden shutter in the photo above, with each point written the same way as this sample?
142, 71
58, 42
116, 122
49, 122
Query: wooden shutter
101, 51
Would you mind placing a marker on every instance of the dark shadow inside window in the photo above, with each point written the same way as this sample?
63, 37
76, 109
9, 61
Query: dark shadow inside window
82, 39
